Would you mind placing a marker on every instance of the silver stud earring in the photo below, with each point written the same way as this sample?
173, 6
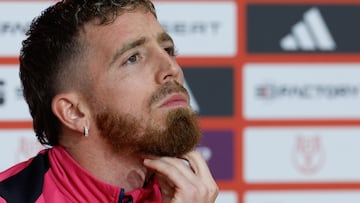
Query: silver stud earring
86, 131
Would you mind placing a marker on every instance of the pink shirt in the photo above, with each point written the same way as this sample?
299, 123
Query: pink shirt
66, 181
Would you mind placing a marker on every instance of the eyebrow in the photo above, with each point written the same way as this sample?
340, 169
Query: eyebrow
126, 47
162, 37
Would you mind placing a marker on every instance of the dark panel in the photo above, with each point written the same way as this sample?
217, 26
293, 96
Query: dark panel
268, 24
217, 147
212, 89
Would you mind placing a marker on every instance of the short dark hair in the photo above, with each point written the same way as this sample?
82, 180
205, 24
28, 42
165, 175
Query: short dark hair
51, 47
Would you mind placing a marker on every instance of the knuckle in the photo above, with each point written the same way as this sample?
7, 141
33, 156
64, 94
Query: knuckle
197, 153
214, 190
211, 190
203, 190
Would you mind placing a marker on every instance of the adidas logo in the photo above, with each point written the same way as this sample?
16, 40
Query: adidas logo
310, 34
2, 92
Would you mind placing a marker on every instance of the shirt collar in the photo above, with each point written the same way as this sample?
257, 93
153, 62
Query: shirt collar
80, 186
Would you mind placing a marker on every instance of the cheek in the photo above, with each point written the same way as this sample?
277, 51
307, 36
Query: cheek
133, 101
130, 94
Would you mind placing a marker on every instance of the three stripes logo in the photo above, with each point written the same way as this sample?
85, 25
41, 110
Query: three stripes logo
310, 34
2, 92
210, 90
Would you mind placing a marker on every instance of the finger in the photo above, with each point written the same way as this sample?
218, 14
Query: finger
184, 160
166, 187
187, 185
199, 165
172, 168
187, 163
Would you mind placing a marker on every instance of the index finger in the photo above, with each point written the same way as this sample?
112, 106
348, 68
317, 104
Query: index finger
198, 164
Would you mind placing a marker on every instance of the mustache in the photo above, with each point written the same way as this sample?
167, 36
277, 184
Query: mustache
166, 89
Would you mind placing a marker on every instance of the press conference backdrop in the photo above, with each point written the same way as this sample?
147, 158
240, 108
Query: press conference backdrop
276, 84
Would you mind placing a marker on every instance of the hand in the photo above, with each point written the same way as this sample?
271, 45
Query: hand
181, 183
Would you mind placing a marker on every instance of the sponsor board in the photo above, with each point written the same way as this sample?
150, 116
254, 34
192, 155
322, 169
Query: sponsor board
12, 104
199, 28
212, 90
217, 148
15, 19
206, 23
301, 91
302, 28
306, 196
17, 146
301, 154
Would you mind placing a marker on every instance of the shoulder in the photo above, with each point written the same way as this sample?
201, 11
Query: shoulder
14, 169
25, 179
19, 167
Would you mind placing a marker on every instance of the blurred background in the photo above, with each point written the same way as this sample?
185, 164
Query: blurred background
276, 84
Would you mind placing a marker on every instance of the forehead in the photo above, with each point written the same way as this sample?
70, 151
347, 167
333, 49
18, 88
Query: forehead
126, 26
102, 42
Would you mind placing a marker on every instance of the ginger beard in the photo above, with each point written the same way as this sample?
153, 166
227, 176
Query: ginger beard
126, 134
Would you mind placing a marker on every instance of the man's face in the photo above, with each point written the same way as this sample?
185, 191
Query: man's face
138, 102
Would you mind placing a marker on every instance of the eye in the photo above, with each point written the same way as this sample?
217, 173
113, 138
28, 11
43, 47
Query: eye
132, 59
171, 51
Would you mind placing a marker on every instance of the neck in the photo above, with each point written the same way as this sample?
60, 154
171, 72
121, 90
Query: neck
96, 156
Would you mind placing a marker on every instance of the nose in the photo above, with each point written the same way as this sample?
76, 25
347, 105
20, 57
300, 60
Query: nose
167, 68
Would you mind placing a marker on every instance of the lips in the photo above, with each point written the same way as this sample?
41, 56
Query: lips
175, 100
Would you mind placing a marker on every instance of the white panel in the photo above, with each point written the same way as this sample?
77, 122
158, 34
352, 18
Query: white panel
17, 146
345, 196
301, 154
227, 197
301, 91
15, 19
200, 28
12, 105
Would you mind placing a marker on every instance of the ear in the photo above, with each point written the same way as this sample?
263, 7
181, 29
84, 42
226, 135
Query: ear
71, 111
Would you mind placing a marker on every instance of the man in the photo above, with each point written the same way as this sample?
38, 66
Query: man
105, 91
